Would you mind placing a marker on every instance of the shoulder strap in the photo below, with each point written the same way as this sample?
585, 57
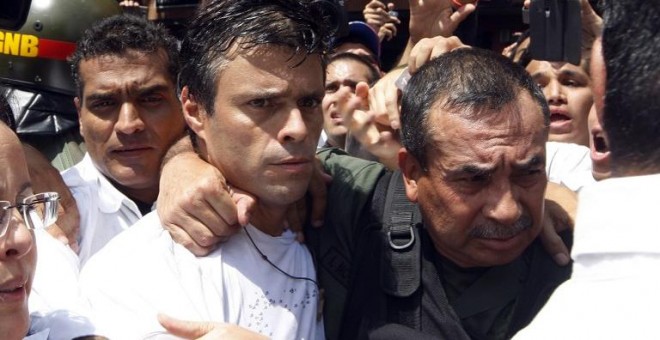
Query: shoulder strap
401, 272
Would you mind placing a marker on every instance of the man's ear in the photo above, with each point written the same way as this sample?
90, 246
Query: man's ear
78, 104
412, 172
193, 112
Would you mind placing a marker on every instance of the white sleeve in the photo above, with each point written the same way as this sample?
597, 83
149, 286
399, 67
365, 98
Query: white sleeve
569, 164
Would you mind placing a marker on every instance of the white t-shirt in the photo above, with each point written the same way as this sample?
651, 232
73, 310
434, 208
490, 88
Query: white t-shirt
143, 272
568, 164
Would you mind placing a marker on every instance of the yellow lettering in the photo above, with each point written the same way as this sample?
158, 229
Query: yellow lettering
29, 46
2, 40
12, 42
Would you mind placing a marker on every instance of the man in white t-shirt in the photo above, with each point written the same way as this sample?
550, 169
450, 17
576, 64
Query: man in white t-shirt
251, 92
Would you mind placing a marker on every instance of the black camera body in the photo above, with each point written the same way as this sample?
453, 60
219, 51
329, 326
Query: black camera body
555, 30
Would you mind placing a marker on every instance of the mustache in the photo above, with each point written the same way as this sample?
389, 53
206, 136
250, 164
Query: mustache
494, 230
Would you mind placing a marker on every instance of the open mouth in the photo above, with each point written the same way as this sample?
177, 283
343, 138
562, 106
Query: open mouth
600, 145
599, 150
558, 117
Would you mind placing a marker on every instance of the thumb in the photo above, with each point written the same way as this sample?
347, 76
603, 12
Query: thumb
244, 204
184, 329
462, 13
390, 6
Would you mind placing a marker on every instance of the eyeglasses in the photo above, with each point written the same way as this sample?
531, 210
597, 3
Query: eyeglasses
39, 211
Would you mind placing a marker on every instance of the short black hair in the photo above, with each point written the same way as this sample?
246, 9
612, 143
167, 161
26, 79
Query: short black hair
304, 26
373, 75
470, 80
120, 33
631, 118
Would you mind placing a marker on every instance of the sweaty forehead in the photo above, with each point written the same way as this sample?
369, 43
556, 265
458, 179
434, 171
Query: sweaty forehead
516, 130
129, 69
347, 69
275, 67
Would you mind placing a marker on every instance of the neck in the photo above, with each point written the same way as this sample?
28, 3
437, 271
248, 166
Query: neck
144, 195
269, 219
337, 141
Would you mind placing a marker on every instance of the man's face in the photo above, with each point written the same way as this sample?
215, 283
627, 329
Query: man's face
266, 123
18, 254
567, 88
482, 192
129, 117
340, 73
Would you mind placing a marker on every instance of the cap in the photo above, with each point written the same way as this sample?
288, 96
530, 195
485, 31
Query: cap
360, 32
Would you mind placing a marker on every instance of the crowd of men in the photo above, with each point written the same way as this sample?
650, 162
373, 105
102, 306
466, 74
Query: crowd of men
440, 201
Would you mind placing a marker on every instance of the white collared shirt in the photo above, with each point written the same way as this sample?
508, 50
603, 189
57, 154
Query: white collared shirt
104, 210
614, 291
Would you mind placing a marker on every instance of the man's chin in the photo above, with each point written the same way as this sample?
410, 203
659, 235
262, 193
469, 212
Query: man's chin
497, 252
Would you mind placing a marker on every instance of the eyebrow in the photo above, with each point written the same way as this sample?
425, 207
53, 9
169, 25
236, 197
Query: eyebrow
24, 191
99, 96
348, 82
153, 89
471, 170
105, 95
531, 163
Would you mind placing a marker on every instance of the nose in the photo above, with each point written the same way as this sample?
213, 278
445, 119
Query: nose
294, 128
129, 120
554, 93
503, 205
17, 241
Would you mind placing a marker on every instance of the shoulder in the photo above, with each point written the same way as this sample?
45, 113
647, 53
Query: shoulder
126, 249
81, 173
355, 173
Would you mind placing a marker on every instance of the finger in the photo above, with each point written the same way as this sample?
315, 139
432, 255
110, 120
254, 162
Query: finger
553, 244
462, 13
421, 52
373, 4
185, 329
180, 236
202, 221
390, 6
449, 45
245, 203
376, 20
391, 29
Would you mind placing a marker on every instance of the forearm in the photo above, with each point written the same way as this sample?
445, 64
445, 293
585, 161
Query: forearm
184, 146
